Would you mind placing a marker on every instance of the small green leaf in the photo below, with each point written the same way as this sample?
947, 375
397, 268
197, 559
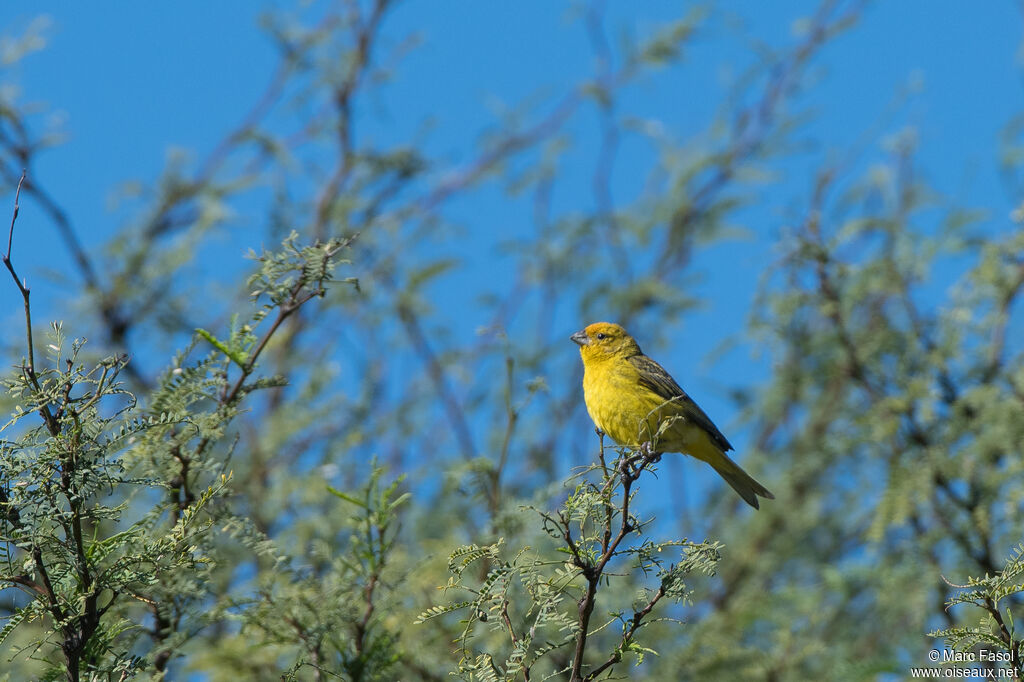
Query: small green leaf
239, 358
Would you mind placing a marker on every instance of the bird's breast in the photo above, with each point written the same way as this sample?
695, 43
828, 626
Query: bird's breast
619, 405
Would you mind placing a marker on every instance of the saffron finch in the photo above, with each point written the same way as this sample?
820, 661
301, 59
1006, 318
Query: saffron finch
633, 400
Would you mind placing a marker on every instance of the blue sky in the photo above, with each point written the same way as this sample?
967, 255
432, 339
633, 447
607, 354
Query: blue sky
129, 86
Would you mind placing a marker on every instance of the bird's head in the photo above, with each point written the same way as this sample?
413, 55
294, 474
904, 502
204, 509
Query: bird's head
604, 340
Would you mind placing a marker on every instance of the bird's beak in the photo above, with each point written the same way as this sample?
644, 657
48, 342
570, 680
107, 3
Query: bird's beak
581, 338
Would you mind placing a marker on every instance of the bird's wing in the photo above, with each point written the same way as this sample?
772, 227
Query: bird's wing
654, 377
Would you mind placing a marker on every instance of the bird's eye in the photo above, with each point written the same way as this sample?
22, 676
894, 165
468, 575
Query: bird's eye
600, 337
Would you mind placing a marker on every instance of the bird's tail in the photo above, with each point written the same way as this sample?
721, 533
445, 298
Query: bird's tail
742, 482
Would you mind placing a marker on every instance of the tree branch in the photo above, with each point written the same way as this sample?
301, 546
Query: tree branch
629, 470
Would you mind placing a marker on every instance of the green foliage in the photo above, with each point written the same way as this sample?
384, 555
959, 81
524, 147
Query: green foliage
996, 633
896, 426
82, 558
109, 509
530, 614
326, 612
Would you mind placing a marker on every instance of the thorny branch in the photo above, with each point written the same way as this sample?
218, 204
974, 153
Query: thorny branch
76, 628
300, 294
629, 470
634, 624
1012, 645
626, 472
30, 367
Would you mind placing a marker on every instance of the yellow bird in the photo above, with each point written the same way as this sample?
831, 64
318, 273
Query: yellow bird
635, 401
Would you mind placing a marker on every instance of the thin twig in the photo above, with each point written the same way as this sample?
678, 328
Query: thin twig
30, 367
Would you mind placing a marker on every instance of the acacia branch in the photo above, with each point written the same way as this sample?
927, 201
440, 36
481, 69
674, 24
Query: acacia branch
311, 642
366, 32
919, 435
628, 470
829, 290
453, 410
379, 550
634, 624
998, 342
12, 514
305, 289
30, 367
25, 582
1006, 636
